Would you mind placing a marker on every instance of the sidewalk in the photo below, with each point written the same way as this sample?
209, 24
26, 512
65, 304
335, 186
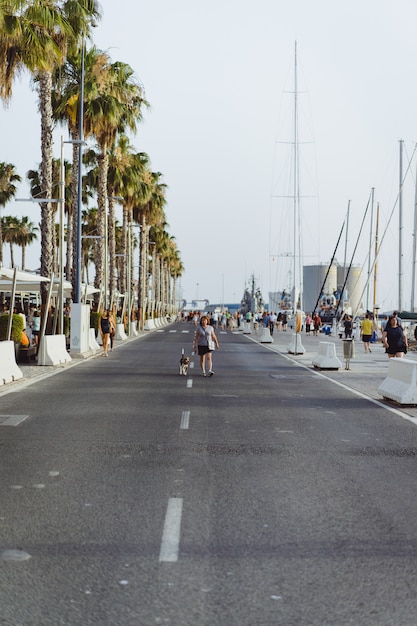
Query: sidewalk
366, 371
32, 372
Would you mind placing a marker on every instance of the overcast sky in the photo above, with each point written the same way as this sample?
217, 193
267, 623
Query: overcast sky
219, 79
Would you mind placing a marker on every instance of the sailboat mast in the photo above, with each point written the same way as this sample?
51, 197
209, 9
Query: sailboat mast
297, 231
413, 277
370, 247
400, 230
375, 312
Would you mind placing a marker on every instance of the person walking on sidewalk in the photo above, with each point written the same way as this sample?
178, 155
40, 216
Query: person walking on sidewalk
105, 331
205, 341
367, 328
394, 339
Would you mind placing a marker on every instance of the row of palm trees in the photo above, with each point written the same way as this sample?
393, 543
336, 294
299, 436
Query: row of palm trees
48, 39
17, 232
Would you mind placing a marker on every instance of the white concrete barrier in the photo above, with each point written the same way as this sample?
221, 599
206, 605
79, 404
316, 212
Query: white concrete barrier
326, 358
120, 332
295, 346
149, 324
266, 336
400, 384
132, 329
53, 350
247, 329
9, 370
92, 341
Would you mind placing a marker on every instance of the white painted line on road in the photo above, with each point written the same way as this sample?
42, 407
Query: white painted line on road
189, 383
171, 533
172, 331
185, 420
185, 331
192, 364
391, 409
12, 420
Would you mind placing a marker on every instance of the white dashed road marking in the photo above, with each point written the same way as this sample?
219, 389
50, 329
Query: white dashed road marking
12, 420
171, 533
185, 420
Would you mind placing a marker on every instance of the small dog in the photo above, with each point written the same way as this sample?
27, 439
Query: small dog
184, 364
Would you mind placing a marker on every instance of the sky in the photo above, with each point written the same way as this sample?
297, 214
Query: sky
220, 82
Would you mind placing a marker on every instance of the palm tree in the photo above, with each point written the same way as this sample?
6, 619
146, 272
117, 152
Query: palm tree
147, 214
35, 36
10, 227
8, 178
26, 234
124, 184
34, 178
66, 107
116, 109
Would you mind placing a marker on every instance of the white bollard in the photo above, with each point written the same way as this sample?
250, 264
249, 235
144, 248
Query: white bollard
400, 384
9, 370
326, 358
120, 332
295, 346
266, 336
92, 342
132, 329
53, 350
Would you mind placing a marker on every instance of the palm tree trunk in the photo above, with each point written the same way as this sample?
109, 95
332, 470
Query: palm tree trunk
47, 214
142, 269
122, 278
101, 246
112, 246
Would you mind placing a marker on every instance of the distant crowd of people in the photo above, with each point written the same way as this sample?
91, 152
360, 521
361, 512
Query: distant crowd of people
392, 334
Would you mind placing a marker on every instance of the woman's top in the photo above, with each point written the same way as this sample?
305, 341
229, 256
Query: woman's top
395, 339
203, 335
36, 324
367, 327
105, 325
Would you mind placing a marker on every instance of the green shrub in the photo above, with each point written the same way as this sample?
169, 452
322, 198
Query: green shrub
17, 327
95, 320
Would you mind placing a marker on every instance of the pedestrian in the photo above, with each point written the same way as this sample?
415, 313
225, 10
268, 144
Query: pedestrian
284, 322
394, 339
36, 327
316, 323
112, 330
308, 322
348, 327
272, 321
205, 341
105, 331
367, 329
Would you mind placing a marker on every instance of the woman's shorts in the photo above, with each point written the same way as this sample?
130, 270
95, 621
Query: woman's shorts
203, 350
366, 338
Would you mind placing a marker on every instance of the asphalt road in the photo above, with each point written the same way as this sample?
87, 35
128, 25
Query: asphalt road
263, 496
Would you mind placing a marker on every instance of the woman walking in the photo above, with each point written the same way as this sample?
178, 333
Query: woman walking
105, 331
394, 339
205, 341
366, 332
